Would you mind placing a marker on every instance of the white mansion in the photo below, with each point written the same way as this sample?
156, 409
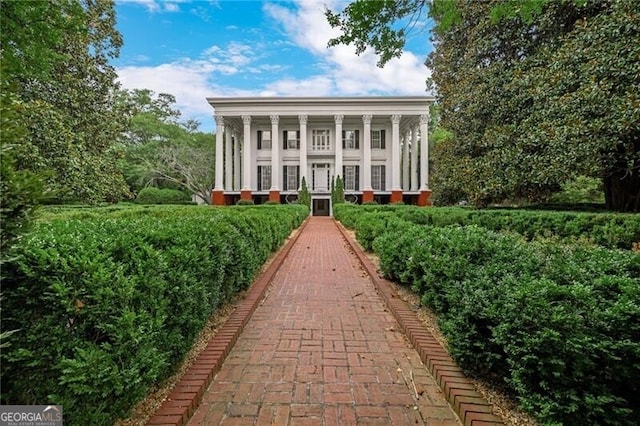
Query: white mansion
377, 145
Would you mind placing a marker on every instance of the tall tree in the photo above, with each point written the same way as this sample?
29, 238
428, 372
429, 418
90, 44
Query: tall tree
57, 62
536, 92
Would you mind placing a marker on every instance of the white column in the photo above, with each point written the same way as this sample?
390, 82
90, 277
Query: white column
414, 158
218, 182
228, 165
338, 165
395, 152
424, 152
303, 148
246, 153
275, 153
366, 160
236, 160
405, 161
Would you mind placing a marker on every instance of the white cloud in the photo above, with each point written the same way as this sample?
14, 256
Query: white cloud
339, 70
154, 6
344, 72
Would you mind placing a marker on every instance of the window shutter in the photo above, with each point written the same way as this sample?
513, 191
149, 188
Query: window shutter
357, 139
383, 178
357, 188
284, 177
344, 133
382, 140
297, 177
284, 140
298, 144
259, 174
259, 140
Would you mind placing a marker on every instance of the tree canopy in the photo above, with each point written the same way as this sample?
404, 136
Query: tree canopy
55, 60
535, 92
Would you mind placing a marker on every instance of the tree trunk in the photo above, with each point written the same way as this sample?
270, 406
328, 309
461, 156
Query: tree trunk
622, 191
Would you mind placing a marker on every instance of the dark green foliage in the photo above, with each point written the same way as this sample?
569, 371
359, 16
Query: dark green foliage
606, 229
153, 195
107, 303
557, 322
337, 191
304, 197
243, 202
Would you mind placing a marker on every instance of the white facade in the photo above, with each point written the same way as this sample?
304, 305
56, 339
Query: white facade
374, 143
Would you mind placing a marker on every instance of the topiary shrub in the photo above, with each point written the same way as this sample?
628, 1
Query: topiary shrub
153, 195
243, 202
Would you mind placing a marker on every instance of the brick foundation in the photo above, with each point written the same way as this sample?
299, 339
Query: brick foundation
274, 196
424, 198
396, 196
217, 198
367, 196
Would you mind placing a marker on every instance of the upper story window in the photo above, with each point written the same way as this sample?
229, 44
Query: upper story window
350, 139
291, 139
377, 139
321, 140
264, 139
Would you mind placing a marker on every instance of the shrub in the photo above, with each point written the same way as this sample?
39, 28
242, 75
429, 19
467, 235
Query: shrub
556, 321
243, 202
106, 306
153, 195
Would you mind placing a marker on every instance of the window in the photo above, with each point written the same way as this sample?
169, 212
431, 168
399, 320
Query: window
350, 139
290, 176
264, 178
321, 141
264, 139
291, 139
378, 178
351, 178
377, 139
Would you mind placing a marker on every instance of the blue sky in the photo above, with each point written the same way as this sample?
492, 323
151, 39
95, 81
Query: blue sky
196, 49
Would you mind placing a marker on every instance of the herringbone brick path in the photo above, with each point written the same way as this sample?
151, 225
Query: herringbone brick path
323, 349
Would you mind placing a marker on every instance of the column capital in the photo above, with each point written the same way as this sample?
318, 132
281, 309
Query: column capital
366, 119
424, 118
275, 118
395, 118
302, 118
338, 118
219, 120
246, 119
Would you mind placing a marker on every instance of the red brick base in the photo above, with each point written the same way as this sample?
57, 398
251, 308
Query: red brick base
396, 196
274, 196
367, 196
217, 198
424, 198
245, 194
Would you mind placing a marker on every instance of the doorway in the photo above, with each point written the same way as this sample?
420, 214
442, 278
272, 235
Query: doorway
321, 206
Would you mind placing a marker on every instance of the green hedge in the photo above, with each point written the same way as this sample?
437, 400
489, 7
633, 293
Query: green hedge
153, 195
108, 305
613, 230
558, 324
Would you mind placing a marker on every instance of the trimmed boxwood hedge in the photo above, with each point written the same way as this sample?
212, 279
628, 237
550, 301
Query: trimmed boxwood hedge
556, 323
107, 304
613, 230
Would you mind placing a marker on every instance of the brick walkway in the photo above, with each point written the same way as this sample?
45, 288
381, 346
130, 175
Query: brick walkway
323, 348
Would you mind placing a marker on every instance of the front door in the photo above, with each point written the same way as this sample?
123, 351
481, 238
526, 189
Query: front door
321, 207
321, 177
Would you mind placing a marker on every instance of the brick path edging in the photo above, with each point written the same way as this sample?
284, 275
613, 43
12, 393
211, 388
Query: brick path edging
185, 397
472, 408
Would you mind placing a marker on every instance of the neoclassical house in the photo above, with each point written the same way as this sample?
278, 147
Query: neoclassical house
377, 145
